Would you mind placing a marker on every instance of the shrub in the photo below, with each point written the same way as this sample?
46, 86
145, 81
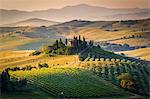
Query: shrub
14, 69
43, 65
36, 53
126, 81
28, 67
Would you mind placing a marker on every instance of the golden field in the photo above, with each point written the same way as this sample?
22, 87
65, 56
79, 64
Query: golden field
97, 34
142, 53
22, 58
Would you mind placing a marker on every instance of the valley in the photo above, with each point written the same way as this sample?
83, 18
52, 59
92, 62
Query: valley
76, 59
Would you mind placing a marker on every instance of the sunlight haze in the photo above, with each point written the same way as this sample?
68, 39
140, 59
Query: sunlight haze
29, 5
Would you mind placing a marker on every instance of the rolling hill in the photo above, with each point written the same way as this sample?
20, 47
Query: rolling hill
142, 53
82, 11
120, 32
111, 31
33, 22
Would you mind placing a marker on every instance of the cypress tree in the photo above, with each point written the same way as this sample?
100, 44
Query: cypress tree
57, 44
66, 41
60, 40
83, 39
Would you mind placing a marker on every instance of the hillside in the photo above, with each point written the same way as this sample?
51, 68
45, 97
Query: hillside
111, 31
120, 32
142, 53
93, 73
33, 22
11, 41
26, 37
72, 82
22, 58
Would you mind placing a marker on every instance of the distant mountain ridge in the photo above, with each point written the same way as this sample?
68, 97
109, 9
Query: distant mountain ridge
131, 16
31, 22
82, 11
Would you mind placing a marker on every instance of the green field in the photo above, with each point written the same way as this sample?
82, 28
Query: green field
73, 82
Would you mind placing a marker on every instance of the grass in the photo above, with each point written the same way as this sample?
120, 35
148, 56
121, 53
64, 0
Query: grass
73, 82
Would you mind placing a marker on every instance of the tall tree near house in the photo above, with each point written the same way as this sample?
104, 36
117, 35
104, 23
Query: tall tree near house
76, 41
57, 44
79, 38
83, 39
90, 43
66, 41
84, 42
60, 40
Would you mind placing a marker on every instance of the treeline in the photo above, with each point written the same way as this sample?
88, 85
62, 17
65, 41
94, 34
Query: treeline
132, 36
28, 67
97, 52
8, 83
67, 47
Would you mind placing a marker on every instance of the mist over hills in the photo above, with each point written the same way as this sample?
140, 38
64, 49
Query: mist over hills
82, 11
138, 15
34, 22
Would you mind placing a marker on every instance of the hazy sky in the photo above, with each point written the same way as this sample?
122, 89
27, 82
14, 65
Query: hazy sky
29, 5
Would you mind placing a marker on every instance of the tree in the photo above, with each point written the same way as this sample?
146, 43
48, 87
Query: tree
77, 41
98, 46
28, 67
99, 71
40, 66
68, 50
43, 65
79, 38
117, 70
45, 49
57, 44
84, 39
66, 41
60, 40
105, 72
91, 42
126, 81
35, 53
4, 80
